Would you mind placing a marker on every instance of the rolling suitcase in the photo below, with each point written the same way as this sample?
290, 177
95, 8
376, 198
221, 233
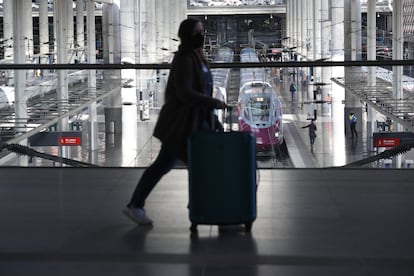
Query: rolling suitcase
222, 179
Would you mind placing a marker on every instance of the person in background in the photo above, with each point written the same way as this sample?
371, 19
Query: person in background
312, 131
188, 107
292, 89
352, 123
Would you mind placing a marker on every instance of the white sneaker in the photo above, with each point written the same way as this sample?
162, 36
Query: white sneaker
137, 215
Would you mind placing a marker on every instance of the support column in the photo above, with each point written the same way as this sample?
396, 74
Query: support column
127, 27
288, 25
113, 103
172, 28
160, 29
297, 23
8, 36
337, 11
91, 57
19, 53
27, 12
151, 18
71, 32
325, 52
309, 42
140, 44
43, 34
356, 28
371, 55
397, 54
165, 33
350, 45
309, 31
292, 24
80, 32
397, 47
60, 12
317, 37
303, 29
151, 52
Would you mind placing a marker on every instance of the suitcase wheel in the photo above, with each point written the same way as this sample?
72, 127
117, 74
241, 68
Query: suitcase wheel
248, 227
193, 227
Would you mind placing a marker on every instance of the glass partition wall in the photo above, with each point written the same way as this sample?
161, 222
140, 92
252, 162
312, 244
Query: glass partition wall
98, 105
111, 123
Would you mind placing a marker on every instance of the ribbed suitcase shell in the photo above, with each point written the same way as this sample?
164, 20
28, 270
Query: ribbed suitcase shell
222, 178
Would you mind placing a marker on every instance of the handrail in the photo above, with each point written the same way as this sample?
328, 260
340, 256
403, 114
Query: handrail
114, 66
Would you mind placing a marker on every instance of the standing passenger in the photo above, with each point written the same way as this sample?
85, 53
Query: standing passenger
312, 132
352, 124
188, 107
292, 89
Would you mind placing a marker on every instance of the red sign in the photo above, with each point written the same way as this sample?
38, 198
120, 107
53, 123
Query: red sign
69, 141
387, 142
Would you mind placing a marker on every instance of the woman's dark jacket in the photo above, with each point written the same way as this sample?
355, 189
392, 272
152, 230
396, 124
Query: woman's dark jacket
186, 105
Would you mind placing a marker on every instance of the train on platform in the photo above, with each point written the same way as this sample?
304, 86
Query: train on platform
38, 88
259, 106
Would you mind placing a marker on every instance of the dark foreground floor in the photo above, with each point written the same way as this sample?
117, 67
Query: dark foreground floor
310, 222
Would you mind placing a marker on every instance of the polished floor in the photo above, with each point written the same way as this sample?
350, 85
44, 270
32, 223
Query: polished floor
68, 221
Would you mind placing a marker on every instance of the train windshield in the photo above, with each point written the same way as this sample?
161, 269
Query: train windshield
257, 109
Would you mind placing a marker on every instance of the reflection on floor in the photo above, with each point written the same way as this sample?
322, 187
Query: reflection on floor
68, 221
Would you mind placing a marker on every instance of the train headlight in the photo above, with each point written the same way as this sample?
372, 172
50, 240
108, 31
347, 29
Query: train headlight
277, 134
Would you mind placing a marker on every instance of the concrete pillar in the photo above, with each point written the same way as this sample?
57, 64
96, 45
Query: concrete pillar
127, 30
108, 34
309, 39
116, 31
172, 28
292, 24
165, 27
80, 32
288, 24
91, 57
151, 49
139, 41
397, 47
61, 25
356, 28
309, 31
325, 47
317, 37
27, 12
352, 104
337, 35
19, 54
44, 32
303, 31
8, 36
180, 15
71, 32
397, 54
371, 55
113, 103
151, 31
296, 24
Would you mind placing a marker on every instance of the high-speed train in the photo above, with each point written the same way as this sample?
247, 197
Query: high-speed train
41, 88
221, 77
259, 107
